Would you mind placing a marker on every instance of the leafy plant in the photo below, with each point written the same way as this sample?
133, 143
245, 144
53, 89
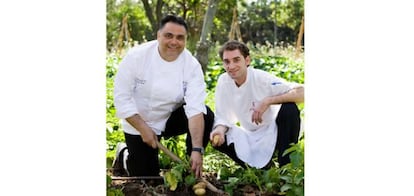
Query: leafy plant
288, 180
177, 174
252, 176
271, 179
293, 173
111, 191
114, 133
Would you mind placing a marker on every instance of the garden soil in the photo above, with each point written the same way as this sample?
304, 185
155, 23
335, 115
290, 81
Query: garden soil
133, 187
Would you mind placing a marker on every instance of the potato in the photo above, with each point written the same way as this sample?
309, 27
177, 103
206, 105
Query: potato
216, 140
200, 185
200, 191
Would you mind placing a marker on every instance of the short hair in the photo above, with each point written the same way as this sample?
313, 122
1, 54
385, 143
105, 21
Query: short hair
174, 19
234, 45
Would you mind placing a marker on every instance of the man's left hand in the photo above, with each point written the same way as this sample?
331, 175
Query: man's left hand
196, 162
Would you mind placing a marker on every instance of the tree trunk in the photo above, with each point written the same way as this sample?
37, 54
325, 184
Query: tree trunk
149, 13
203, 45
158, 14
275, 28
300, 36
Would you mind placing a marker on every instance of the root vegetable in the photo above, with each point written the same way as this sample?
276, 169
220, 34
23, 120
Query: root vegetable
216, 140
176, 158
200, 191
200, 185
211, 187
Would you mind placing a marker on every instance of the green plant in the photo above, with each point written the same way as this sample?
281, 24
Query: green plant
179, 174
271, 180
114, 132
287, 180
176, 144
112, 191
293, 173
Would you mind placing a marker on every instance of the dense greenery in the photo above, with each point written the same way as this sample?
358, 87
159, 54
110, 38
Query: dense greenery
260, 21
288, 179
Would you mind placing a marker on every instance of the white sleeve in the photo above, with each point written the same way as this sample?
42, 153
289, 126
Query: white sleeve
194, 91
278, 85
124, 85
223, 115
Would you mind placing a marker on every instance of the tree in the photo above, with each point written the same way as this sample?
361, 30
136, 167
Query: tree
203, 44
257, 20
158, 14
289, 15
137, 23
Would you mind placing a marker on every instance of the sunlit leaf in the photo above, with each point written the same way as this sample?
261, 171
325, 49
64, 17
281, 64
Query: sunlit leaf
285, 187
171, 180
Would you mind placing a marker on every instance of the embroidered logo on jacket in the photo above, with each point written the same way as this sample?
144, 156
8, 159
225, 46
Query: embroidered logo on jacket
139, 81
276, 83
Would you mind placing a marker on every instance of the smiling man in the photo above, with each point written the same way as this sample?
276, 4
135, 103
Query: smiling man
171, 39
159, 92
256, 112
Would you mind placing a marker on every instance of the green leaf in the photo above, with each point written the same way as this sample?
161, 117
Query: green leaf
269, 186
190, 179
171, 180
177, 174
108, 180
285, 187
271, 175
286, 178
289, 150
233, 182
298, 191
296, 159
299, 178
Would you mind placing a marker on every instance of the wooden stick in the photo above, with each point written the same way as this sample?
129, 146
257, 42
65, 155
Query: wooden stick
176, 158
211, 186
168, 152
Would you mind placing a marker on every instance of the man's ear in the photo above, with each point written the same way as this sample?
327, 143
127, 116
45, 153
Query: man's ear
247, 60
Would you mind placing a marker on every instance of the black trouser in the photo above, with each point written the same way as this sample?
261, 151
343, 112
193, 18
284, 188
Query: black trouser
288, 127
143, 159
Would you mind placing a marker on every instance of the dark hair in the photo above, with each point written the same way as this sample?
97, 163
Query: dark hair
173, 19
234, 45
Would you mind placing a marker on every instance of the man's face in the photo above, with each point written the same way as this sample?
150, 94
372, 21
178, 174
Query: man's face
236, 65
172, 40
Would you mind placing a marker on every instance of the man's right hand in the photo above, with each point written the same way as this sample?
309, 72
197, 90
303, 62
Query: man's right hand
150, 138
217, 135
147, 134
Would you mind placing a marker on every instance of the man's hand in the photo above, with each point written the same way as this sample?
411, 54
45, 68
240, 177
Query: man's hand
196, 161
196, 127
150, 138
258, 109
147, 134
217, 135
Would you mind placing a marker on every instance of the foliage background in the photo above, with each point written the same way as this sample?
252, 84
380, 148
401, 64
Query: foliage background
264, 26
260, 21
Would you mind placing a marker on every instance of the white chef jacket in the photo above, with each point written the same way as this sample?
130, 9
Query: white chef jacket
147, 85
254, 144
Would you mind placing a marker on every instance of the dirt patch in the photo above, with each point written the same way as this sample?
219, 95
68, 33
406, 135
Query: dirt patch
157, 187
